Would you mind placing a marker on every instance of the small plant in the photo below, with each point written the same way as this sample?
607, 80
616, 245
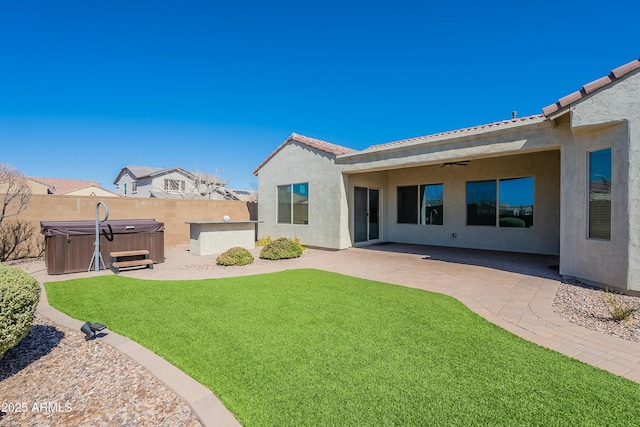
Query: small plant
19, 296
296, 240
282, 248
264, 241
618, 308
235, 256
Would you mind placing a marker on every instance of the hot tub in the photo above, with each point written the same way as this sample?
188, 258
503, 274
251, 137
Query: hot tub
69, 244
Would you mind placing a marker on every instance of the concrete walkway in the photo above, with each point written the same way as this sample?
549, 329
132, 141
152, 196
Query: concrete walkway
513, 291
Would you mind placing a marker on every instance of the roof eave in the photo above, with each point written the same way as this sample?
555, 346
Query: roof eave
272, 155
115, 181
449, 138
562, 105
307, 142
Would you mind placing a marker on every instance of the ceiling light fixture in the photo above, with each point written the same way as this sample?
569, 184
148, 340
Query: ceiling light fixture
460, 163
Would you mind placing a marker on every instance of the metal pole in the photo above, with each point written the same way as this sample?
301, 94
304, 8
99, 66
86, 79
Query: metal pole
97, 256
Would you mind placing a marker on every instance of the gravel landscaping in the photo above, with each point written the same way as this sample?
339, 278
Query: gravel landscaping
587, 306
53, 377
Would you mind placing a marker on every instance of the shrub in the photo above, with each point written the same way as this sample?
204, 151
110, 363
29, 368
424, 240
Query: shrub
297, 242
618, 308
19, 296
281, 249
17, 241
264, 241
235, 256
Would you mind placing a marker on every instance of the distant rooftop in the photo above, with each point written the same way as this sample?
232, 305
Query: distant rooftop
147, 171
65, 186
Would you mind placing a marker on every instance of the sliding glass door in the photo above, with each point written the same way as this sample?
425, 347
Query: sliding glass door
366, 212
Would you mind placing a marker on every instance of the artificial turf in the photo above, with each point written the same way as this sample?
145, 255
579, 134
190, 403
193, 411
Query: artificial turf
308, 347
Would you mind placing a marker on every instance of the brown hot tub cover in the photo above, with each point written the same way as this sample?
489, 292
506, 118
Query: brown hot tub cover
69, 245
120, 226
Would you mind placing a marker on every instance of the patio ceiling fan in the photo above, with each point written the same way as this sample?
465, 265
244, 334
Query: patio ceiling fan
460, 163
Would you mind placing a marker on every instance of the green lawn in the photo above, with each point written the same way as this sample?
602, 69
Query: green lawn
307, 347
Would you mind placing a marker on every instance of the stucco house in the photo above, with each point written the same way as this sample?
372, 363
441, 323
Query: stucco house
67, 187
176, 182
565, 182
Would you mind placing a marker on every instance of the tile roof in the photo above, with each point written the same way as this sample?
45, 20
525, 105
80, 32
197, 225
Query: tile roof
489, 126
318, 144
589, 88
321, 145
64, 186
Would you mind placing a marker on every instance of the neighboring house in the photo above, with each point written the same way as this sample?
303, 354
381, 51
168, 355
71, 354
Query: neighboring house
243, 195
67, 187
176, 182
566, 182
172, 183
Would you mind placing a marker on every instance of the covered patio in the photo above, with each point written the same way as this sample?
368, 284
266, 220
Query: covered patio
509, 202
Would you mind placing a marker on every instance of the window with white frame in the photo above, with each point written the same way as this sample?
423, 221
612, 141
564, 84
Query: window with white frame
134, 187
600, 194
293, 203
174, 185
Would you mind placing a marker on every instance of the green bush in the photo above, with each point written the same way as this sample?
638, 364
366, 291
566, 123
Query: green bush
235, 256
264, 241
299, 244
19, 296
281, 249
619, 309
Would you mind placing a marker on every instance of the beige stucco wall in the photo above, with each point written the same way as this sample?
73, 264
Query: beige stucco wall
331, 194
598, 261
328, 213
611, 118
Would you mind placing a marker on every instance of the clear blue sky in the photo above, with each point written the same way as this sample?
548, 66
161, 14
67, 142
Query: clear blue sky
87, 87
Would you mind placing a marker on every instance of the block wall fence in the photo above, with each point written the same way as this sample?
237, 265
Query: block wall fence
174, 213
